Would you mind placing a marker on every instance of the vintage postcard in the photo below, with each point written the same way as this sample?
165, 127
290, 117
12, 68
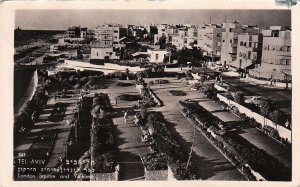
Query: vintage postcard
177, 93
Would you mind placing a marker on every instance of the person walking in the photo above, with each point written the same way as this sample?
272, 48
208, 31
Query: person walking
125, 117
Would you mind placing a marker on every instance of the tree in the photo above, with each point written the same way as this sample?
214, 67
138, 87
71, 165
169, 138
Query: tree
277, 116
265, 108
239, 97
162, 41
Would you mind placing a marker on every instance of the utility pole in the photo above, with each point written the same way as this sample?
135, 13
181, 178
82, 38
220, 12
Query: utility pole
190, 154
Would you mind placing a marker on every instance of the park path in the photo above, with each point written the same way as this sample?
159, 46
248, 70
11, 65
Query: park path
211, 164
128, 135
43, 124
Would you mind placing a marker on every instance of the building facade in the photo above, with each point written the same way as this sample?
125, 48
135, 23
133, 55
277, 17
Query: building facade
209, 40
156, 55
249, 50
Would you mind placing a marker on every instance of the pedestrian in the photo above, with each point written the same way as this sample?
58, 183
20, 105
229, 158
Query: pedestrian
271, 82
125, 117
116, 101
274, 82
287, 123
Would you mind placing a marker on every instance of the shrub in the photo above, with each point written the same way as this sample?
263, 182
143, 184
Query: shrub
104, 163
155, 161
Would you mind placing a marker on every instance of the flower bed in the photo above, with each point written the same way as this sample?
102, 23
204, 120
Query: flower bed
124, 84
164, 143
41, 148
127, 97
176, 93
58, 112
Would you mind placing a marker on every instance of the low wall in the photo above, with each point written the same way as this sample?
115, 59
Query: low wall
156, 175
107, 66
114, 176
156, 99
282, 131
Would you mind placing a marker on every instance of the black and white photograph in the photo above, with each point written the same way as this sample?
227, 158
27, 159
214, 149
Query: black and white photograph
152, 95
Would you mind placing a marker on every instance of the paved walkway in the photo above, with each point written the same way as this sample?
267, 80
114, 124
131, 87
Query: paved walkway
211, 164
43, 123
128, 135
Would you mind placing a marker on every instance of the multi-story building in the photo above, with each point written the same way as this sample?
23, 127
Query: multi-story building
73, 32
209, 40
276, 54
229, 43
109, 35
191, 37
248, 51
179, 39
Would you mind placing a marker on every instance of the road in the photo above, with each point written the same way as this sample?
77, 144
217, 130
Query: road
281, 97
211, 164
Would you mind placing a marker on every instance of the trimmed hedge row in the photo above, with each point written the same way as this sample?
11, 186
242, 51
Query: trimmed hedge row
164, 143
241, 149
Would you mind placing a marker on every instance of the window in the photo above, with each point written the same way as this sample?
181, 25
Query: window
223, 41
231, 41
241, 44
156, 57
97, 54
250, 44
249, 54
116, 31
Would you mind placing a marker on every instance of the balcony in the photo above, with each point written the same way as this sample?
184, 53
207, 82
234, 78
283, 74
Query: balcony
233, 45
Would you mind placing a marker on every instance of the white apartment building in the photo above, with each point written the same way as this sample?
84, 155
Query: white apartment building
179, 39
209, 40
248, 51
109, 35
276, 55
229, 42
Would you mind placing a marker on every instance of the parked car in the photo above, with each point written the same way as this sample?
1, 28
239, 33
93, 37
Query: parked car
256, 100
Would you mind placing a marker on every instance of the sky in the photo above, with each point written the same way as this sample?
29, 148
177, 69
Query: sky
62, 19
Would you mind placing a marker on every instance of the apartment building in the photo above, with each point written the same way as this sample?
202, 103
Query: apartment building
179, 39
248, 52
229, 42
209, 40
109, 35
276, 54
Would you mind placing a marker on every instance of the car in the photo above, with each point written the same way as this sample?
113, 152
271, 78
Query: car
256, 100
